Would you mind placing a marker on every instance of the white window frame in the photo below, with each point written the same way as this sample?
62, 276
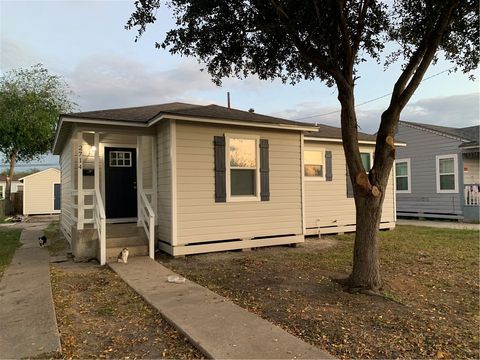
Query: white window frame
314, 178
409, 176
455, 173
239, 198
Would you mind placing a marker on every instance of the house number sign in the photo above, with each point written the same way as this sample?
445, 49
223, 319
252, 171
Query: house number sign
80, 157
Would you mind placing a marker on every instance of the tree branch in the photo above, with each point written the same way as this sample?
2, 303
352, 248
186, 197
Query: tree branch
360, 25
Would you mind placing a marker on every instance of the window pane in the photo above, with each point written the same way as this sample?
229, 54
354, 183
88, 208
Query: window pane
402, 183
447, 182
242, 153
401, 169
446, 166
314, 170
242, 182
365, 160
313, 157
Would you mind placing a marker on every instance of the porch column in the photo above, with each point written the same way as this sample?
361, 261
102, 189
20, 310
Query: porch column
96, 143
139, 179
154, 178
80, 198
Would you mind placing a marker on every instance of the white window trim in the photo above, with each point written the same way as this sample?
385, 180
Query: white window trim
240, 198
455, 173
409, 177
315, 178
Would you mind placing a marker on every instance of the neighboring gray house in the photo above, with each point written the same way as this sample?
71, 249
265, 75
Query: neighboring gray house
437, 174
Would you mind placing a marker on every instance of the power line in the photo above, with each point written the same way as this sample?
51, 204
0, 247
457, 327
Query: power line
369, 101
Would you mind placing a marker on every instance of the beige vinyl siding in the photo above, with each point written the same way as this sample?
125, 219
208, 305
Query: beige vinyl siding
201, 219
326, 202
38, 192
164, 183
67, 214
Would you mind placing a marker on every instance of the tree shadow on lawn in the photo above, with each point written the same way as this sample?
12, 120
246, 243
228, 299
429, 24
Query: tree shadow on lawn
432, 274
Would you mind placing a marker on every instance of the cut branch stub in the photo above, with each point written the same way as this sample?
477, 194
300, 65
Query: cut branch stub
362, 180
376, 191
390, 141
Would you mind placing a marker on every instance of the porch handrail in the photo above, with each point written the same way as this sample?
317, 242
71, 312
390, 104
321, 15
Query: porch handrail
147, 218
471, 194
101, 226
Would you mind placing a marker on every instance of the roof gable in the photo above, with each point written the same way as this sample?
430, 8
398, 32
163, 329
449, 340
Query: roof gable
466, 134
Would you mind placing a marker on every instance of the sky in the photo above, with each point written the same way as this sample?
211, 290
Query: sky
87, 44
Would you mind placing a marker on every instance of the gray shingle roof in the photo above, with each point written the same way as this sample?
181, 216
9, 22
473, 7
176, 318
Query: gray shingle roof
331, 132
144, 114
470, 133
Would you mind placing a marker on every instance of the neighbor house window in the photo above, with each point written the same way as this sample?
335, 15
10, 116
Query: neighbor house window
243, 164
366, 160
120, 158
2, 195
402, 176
447, 173
314, 164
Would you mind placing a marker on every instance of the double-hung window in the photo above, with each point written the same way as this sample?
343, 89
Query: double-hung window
447, 173
242, 167
402, 176
314, 164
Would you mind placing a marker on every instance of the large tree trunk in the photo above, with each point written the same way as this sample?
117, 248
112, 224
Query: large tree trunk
8, 201
366, 266
369, 192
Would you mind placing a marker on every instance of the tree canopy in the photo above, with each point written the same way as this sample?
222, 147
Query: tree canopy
327, 40
30, 102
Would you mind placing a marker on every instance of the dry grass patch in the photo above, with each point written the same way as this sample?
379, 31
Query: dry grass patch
99, 316
432, 274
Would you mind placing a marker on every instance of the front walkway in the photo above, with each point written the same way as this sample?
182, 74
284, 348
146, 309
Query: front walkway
28, 325
218, 327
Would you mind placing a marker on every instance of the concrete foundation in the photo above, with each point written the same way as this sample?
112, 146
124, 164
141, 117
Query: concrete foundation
85, 244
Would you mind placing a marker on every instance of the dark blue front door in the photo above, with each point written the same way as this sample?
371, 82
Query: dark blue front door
120, 182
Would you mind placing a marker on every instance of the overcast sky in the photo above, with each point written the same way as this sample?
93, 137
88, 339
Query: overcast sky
86, 43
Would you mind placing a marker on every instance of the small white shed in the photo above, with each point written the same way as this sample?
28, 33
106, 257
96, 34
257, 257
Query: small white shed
41, 192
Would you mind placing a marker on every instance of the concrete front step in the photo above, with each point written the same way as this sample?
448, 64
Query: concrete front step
124, 230
135, 250
126, 241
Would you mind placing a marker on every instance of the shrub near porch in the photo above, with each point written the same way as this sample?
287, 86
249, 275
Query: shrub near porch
430, 308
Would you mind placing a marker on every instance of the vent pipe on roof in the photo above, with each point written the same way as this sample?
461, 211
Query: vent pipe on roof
228, 99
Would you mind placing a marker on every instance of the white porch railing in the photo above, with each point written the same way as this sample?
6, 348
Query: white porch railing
471, 194
146, 217
100, 224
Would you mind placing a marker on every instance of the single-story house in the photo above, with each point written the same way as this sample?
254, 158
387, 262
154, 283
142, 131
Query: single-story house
329, 202
16, 185
41, 192
438, 174
192, 179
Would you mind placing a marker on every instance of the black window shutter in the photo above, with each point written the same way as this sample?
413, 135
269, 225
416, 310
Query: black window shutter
349, 186
328, 166
220, 171
264, 171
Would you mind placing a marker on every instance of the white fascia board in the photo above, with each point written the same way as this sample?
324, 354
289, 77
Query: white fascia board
105, 122
228, 122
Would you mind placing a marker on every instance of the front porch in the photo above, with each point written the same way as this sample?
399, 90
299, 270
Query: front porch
471, 183
113, 193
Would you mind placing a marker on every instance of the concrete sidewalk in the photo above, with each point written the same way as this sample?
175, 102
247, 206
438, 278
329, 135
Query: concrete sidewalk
439, 224
27, 315
218, 327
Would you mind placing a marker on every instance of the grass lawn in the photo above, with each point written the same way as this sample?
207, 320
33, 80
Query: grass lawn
9, 242
431, 274
56, 243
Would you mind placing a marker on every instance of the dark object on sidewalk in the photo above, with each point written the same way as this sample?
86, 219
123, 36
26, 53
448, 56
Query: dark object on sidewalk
42, 241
